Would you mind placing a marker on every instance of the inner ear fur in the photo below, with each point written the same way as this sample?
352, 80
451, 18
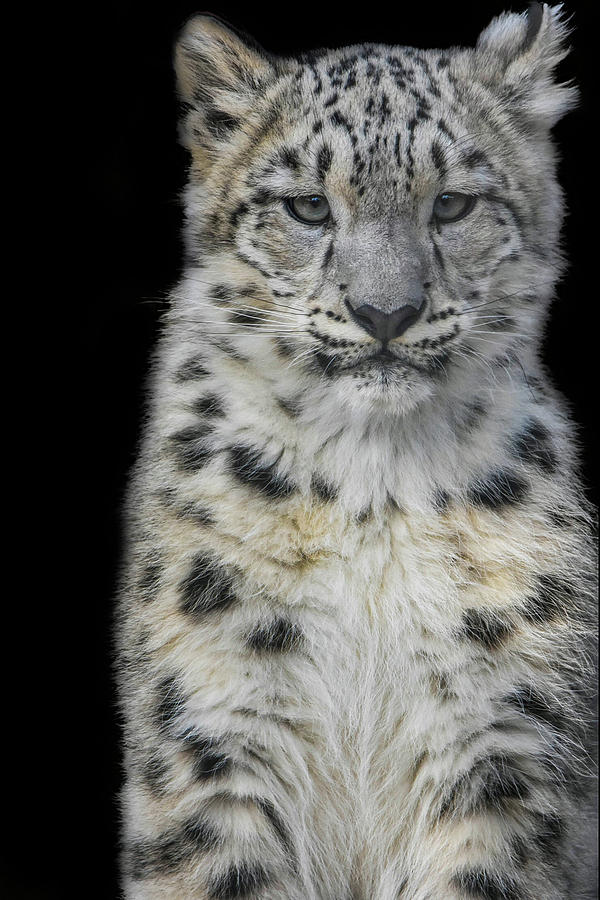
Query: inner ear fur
219, 73
520, 52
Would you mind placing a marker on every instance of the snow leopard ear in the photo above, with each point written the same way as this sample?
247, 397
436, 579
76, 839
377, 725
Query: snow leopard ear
519, 53
219, 73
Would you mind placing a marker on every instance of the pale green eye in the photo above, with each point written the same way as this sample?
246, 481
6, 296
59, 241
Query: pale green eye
450, 207
312, 209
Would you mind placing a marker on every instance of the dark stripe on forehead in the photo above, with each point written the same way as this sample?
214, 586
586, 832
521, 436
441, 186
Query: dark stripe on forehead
324, 160
288, 157
437, 155
421, 61
397, 149
443, 127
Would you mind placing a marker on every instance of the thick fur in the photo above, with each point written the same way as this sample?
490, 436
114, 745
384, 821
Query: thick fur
355, 624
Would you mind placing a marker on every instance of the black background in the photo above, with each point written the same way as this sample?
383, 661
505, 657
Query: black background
122, 114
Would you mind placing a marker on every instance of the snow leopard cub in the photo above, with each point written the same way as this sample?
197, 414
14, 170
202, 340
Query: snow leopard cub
353, 636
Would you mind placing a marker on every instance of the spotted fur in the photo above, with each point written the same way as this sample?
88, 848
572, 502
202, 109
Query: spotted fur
355, 623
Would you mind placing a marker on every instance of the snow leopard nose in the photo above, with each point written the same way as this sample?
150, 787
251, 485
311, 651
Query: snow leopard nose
385, 325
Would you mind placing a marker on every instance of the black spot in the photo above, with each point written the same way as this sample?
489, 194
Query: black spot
154, 772
498, 489
439, 160
519, 851
486, 628
207, 588
193, 512
436, 365
324, 160
473, 157
560, 519
279, 827
190, 448
170, 701
324, 490
532, 704
249, 467
327, 256
289, 157
149, 581
278, 635
481, 884
208, 759
236, 215
284, 347
209, 406
441, 499
473, 413
291, 407
192, 370
247, 319
533, 446
200, 834
438, 255
239, 881
488, 786
340, 121
365, 515
147, 858
440, 685
551, 600
325, 363
550, 832
264, 197
222, 293
220, 122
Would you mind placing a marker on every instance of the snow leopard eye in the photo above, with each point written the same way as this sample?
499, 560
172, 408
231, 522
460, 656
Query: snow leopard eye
312, 209
450, 207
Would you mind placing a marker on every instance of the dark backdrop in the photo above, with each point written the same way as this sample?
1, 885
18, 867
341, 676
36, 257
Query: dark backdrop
122, 116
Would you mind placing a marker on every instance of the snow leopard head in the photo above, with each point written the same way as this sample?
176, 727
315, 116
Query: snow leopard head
381, 218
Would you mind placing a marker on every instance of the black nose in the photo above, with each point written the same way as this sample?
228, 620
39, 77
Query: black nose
385, 326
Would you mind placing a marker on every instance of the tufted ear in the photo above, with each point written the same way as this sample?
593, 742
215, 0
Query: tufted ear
219, 73
519, 52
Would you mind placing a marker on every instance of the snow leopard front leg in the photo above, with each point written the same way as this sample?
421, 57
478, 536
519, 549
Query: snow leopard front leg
493, 804
221, 704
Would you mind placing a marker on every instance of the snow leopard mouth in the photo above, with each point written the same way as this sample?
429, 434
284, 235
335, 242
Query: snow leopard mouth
426, 357
384, 361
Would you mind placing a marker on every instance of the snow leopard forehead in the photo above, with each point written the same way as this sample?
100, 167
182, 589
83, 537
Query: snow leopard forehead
379, 95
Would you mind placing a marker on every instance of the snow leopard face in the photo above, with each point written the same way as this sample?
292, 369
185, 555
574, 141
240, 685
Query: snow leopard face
381, 217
